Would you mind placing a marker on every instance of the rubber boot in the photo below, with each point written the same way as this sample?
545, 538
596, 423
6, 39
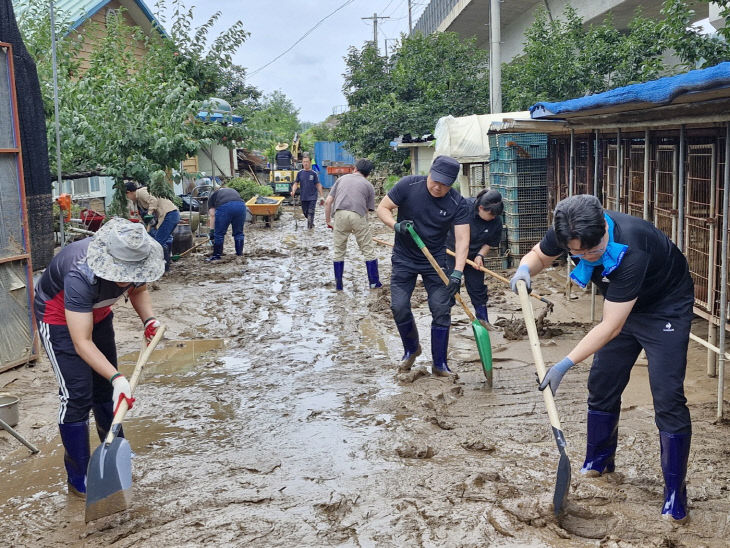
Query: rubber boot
217, 252
373, 277
239, 247
602, 437
675, 453
411, 348
439, 347
339, 269
480, 312
103, 415
75, 437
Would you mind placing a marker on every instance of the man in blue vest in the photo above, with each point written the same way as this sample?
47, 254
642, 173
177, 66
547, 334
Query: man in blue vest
433, 207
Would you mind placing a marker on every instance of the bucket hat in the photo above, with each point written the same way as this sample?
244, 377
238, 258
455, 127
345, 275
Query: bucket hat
282, 146
445, 170
122, 251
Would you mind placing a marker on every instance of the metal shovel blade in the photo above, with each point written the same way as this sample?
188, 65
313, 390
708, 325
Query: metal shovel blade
484, 345
109, 479
562, 481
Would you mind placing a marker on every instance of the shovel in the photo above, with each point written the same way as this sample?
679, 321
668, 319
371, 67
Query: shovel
502, 279
562, 482
109, 477
5, 426
179, 256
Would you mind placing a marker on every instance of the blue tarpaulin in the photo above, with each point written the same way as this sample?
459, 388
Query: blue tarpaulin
661, 91
218, 117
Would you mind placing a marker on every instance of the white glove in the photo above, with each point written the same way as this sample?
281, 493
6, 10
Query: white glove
122, 390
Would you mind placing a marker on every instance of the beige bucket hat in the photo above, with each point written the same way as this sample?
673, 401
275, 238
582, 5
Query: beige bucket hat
122, 251
282, 146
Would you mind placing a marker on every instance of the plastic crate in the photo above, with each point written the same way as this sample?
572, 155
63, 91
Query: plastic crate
515, 152
514, 208
523, 145
519, 193
533, 233
492, 141
497, 263
521, 248
519, 166
523, 179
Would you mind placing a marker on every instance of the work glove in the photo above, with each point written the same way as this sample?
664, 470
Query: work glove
402, 227
330, 226
555, 374
321, 201
454, 283
211, 235
148, 219
122, 391
150, 328
523, 273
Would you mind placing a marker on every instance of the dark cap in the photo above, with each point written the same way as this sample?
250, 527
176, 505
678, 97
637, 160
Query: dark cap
445, 170
130, 186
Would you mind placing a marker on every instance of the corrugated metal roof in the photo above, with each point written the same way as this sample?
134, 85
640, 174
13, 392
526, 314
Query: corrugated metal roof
79, 11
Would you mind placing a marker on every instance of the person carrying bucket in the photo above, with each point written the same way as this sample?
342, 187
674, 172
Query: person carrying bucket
73, 309
649, 295
485, 229
431, 207
350, 199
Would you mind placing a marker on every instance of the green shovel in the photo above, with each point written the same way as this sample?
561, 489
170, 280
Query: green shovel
480, 332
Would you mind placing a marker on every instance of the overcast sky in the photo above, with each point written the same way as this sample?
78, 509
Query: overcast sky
311, 73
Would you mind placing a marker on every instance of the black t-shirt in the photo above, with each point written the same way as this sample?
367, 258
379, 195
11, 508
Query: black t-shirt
432, 217
481, 232
223, 196
653, 270
284, 159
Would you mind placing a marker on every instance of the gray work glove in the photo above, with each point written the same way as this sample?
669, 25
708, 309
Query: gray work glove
555, 374
523, 273
401, 227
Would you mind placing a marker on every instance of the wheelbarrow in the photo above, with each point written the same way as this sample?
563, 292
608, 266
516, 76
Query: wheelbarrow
265, 206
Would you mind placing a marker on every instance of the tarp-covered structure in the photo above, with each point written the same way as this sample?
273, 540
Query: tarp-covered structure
465, 137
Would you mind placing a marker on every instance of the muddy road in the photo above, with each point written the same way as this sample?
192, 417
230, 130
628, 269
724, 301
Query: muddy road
274, 416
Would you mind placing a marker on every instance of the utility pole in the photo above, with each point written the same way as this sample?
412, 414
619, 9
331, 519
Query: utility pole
386, 46
410, 20
495, 58
374, 19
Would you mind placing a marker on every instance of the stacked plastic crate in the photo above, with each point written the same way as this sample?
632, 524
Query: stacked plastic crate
518, 170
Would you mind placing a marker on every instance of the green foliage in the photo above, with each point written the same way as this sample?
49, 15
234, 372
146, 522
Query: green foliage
248, 188
427, 78
275, 120
563, 59
159, 185
390, 182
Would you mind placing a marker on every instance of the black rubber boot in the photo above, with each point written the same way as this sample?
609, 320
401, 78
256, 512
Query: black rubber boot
439, 348
412, 349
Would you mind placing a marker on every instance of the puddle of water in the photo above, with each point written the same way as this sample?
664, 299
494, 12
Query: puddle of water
371, 335
175, 357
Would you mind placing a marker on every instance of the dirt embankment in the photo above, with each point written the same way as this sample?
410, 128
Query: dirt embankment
297, 431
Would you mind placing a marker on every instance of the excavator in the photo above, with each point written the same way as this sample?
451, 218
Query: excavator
282, 176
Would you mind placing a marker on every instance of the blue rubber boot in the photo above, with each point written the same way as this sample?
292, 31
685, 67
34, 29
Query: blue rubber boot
75, 437
239, 247
411, 347
675, 453
339, 270
439, 347
480, 312
602, 437
103, 415
217, 252
373, 276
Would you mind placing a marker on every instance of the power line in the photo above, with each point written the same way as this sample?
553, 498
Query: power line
317, 24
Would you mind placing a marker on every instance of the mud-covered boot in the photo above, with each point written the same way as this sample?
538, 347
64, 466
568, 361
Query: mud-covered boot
103, 416
75, 438
480, 311
373, 276
601, 440
439, 348
675, 453
339, 270
239, 247
411, 348
217, 252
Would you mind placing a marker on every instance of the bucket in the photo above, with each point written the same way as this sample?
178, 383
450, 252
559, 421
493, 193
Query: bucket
182, 239
9, 409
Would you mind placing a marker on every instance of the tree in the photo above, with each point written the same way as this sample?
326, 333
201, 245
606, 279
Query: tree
428, 77
275, 120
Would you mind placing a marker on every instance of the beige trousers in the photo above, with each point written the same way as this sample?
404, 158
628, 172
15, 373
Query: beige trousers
349, 222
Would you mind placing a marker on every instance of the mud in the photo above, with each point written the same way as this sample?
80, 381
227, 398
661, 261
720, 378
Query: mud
274, 416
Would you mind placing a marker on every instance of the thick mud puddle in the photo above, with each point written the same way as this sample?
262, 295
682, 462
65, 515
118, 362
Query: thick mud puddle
274, 416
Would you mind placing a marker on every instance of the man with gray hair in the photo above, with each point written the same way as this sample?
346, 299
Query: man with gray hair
349, 200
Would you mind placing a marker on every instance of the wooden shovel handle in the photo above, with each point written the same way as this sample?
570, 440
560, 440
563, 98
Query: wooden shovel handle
141, 361
196, 246
537, 352
498, 277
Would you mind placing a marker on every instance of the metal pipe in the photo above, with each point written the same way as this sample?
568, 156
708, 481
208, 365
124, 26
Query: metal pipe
711, 255
723, 279
680, 194
647, 149
495, 67
54, 64
571, 165
595, 166
675, 170
708, 345
619, 169
711, 357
